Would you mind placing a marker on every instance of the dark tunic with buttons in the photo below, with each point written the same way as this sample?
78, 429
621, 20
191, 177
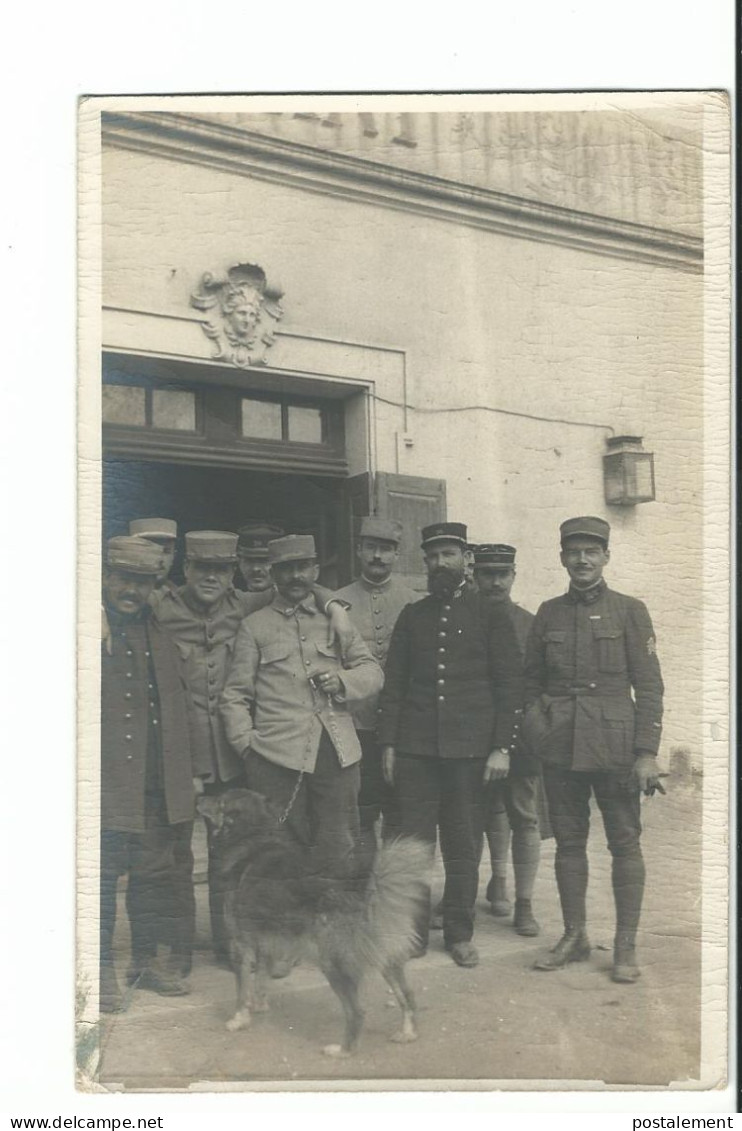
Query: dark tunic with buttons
145, 743
593, 683
453, 679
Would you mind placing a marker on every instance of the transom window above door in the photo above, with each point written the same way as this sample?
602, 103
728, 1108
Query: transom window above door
282, 420
149, 413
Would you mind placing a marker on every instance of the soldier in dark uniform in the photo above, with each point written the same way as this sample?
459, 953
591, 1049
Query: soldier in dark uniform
447, 723
147, 786
512, 803
253, 566
594, 716
164, 533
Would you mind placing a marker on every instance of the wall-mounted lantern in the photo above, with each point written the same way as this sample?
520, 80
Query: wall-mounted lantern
628, 472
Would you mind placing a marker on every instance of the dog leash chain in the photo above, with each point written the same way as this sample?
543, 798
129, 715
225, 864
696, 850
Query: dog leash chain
300, 779
292, 799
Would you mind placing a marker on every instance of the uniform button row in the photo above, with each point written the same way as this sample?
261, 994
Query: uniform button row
442, 635
444, 620
441, 667
127, 695
441, 698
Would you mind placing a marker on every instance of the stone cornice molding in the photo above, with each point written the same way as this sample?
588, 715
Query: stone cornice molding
188, 138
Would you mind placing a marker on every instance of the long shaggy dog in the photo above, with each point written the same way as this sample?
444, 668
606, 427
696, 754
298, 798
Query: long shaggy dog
276, 912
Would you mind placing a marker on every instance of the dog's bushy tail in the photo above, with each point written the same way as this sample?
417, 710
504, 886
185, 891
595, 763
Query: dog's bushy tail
397, 893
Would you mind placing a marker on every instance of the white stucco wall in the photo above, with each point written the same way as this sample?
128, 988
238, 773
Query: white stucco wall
478, 319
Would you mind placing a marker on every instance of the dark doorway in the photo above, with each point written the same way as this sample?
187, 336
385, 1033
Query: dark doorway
207, 498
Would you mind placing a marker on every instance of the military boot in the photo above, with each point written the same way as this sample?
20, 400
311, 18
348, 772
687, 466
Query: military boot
573, 946
497, 896
625, 970
523, 920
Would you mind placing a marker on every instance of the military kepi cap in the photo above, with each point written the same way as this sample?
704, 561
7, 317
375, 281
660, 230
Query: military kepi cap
291, 548
494, 555
587, 526
217, 546
134, 555
385, 529
444, 532
162, 529
254, 539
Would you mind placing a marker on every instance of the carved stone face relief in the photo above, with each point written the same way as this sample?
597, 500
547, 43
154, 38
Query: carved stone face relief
243, 310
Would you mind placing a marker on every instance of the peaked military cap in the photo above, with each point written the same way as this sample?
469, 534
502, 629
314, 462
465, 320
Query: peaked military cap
291, 548
254, 539
218, 546
494, 555
162, 529
386, 529
134, 555
444, 532
586, 526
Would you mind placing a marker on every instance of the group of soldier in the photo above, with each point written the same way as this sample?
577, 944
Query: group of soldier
373, 711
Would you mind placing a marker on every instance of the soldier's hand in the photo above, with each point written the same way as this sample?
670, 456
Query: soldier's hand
497, 766
198, 786
340, 628
329, 682
387, 764
646, 772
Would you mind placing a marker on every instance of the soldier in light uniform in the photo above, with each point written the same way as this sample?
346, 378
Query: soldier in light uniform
594, 717
286, 709
252, 552
512, 802
376, 599
164, 533
203, 618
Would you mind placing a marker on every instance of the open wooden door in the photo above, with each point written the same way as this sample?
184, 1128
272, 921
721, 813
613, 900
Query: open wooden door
415, 502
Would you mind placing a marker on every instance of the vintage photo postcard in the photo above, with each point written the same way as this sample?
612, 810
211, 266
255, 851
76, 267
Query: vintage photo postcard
404, 583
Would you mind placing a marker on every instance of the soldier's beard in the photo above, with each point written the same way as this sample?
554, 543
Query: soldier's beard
442, 581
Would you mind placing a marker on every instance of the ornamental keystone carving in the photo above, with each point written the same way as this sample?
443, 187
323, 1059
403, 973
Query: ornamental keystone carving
243, 312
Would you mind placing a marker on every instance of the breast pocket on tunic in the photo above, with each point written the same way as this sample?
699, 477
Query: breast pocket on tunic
274, 653
555, 644
609, 641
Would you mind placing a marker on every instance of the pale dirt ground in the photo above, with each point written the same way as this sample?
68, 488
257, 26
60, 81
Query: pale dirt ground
499, 1022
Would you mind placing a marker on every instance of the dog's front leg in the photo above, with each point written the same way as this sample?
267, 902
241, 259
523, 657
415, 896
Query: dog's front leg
244, 973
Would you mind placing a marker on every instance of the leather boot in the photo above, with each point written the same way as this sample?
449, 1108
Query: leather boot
523, 920
573, 946
497, 896
625, 970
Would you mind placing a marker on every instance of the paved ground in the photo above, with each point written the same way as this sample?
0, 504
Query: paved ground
500, 1022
